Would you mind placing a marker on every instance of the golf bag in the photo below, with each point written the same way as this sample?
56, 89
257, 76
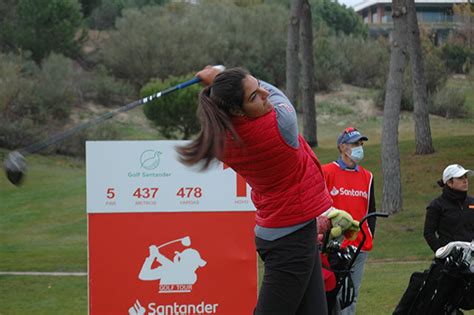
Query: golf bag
446, 287
337, 276
337, 263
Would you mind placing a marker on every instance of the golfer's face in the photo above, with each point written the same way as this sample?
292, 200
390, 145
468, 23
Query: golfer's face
460, 183
256, 101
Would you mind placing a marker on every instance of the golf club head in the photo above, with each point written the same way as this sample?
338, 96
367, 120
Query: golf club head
15, 167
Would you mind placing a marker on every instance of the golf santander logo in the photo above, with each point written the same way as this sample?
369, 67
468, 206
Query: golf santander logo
150, 159
348, 192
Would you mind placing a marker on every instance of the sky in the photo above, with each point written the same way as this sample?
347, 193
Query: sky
349, 3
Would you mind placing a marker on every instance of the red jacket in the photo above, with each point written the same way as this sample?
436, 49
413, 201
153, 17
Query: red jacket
287, 184
350, 191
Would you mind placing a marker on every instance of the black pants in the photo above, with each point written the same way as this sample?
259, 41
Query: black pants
292, 282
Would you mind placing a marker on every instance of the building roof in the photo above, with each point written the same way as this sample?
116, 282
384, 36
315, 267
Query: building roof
368, 3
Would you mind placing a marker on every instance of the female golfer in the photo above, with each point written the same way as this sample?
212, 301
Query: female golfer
251, 126
450, 217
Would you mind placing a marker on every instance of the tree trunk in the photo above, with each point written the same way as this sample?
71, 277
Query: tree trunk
392, 188
292, 50
309, 106
424, 143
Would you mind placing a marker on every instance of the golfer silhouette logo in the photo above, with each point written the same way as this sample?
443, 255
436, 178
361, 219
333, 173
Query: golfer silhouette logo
177, 275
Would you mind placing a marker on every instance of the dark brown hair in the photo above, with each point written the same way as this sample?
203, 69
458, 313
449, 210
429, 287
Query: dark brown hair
214, 112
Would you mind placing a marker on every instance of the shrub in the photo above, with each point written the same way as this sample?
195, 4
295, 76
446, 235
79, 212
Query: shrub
18, 133
55, 91
329, 61
75, 146
8, 12
46, 26
174, 116
87, 6
366, 61
341, 19
110, 91
100, 87
103, 16
159, 41
457, 57
449, 103
436, 74
33, 99
406, 101
11, 80
17, 88
41, 94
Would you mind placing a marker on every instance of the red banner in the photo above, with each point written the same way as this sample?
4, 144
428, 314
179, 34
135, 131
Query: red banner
172, 263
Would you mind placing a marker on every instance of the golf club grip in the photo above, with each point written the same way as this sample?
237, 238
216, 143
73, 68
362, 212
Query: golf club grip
35, 147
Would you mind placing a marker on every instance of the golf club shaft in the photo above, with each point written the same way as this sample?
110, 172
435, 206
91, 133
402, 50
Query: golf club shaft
35, 147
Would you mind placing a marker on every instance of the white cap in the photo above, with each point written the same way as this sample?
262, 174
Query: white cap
455, 170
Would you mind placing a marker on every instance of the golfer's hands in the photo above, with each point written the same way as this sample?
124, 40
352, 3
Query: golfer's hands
208, 74
324, 225
342, 223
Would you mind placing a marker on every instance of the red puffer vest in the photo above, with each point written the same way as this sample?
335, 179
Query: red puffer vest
288, 186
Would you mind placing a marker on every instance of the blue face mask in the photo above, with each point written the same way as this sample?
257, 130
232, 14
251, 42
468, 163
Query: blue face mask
357, 154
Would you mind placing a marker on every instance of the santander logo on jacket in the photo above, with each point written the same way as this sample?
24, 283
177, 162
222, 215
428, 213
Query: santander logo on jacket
348, 192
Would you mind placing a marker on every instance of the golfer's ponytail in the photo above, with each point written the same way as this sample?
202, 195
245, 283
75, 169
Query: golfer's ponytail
216, 102
441, 183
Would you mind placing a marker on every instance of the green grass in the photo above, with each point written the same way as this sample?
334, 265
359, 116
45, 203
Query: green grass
379, 293
384, 284
333, 108
43, 295
465, 84
43, 223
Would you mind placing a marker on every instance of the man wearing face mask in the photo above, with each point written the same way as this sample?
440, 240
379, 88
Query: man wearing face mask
352, 190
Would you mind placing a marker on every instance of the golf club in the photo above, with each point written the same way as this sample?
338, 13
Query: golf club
185, 241
15, 163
